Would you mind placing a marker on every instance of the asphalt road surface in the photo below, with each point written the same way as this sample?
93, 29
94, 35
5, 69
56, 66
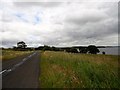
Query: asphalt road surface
21, 72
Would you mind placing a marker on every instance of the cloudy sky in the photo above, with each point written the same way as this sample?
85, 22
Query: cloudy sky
59, 23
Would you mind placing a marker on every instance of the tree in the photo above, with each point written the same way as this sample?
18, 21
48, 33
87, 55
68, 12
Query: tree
54, 48
93, 49
39, 48
103, 52
21, 44
46, 47
73, 50
14, 47
83, 50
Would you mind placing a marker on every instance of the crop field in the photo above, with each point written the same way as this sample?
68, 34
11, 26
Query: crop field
66, 70
9, 54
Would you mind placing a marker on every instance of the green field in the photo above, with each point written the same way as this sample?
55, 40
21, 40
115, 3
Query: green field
9, 54
65, 70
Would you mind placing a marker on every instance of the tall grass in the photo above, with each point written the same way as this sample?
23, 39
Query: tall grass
9, 54
65, 70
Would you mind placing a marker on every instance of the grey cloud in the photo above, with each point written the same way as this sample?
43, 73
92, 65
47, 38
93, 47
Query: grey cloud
41, 4
5, 17
93, 27
93, 31
9, 43
86, 16
111, 8
84, 20
76, 29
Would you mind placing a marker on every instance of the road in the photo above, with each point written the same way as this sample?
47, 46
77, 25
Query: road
21, 72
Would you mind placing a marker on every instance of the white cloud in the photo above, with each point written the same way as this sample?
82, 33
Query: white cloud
65, 24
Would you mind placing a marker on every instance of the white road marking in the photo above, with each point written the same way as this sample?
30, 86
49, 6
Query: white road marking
18, 64
9, 70
3, 71
24, 59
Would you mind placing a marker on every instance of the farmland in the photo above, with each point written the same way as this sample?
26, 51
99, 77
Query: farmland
66, 70
9, 54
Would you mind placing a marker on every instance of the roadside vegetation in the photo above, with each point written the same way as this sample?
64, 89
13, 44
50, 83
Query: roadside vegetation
9, 54
66, 70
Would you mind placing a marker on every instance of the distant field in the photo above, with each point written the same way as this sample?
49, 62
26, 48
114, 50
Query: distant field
65, 70
9, 54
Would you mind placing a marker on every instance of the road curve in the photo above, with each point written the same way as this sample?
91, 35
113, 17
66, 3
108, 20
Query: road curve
24, 74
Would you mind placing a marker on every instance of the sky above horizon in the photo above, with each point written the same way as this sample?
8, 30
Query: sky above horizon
59, 23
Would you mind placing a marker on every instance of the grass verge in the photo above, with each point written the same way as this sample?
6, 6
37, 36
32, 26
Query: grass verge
9, 54
65, 70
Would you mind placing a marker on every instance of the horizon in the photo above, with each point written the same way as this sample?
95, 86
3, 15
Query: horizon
66, 46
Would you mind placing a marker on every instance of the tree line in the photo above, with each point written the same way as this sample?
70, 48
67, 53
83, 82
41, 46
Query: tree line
92, 49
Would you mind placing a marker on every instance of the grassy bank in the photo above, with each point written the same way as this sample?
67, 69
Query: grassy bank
9, 54
65, 70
